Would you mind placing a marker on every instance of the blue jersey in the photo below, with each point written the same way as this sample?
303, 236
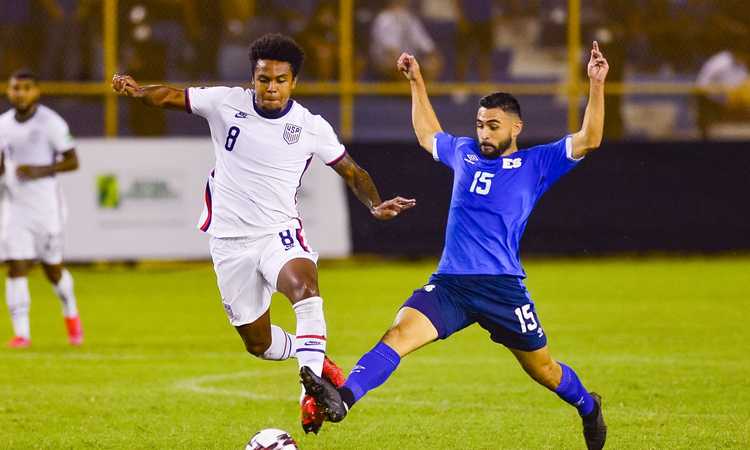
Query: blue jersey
492, 200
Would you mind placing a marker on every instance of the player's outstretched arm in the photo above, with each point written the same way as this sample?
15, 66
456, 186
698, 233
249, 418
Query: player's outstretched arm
423, 117
157, 95
361, 184
590, 136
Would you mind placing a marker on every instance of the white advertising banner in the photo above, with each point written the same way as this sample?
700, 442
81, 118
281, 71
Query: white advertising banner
142, 198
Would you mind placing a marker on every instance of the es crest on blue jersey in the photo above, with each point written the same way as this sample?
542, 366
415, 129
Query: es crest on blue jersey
512, 163
292, 133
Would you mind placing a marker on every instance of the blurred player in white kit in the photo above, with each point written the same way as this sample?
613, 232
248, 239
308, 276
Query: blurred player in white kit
36, 146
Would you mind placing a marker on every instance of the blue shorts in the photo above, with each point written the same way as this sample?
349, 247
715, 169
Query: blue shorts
498, 303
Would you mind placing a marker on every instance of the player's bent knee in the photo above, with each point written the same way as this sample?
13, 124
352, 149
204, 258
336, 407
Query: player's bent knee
257, 348
303, 289
298, 280
18, 268
546, 374
392, 336
307, 290
53, 273
400, 340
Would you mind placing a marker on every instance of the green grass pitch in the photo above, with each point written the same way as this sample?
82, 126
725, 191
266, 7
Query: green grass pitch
665, 341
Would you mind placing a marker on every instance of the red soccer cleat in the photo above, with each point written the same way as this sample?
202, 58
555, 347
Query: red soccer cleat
19, 342
333, 373
312, 416
75, 332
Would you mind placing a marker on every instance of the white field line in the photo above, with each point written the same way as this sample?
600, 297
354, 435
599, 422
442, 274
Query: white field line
198, 385
454, 360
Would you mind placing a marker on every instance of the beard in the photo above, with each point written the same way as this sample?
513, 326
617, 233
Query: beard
23, 111
496, 150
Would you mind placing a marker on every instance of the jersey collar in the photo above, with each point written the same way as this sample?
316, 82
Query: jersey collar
273, 115
35, 109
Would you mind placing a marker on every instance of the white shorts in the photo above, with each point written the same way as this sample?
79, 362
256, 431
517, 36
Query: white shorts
247, 269
22, 243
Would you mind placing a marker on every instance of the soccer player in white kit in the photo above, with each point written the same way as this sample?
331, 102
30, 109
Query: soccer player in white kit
38, 145
263, 143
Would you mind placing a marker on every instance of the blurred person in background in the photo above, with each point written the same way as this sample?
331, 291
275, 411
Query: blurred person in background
244, 21
395, 29
264, 142
728, 68
17, 37
204, 22
61, 57
144, 57
615, 26
475, 36
320, 37
39, 146
89, 18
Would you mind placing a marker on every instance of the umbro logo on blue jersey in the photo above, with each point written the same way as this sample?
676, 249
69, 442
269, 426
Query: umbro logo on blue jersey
512, 163
471, 158
241, 115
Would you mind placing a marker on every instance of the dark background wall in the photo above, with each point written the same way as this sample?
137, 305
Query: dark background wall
626, 197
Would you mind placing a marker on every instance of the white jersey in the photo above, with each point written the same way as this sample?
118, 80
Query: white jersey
38, 141
3, 198
260, 161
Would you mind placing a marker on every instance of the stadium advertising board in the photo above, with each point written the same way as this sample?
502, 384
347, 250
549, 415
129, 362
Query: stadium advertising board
142, 198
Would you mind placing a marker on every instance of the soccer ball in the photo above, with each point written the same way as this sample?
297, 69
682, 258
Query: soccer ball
272, 439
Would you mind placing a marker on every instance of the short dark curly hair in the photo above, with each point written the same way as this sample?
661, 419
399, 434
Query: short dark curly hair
277, 47
506, 102
24, 74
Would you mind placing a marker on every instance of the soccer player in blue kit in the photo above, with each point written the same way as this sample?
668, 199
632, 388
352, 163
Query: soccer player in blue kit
480, 277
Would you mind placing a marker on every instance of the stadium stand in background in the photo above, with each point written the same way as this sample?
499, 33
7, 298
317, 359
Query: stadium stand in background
534, 51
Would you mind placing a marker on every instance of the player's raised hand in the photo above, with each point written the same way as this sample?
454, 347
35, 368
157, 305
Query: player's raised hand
393, 207
126, 85
408, 65
598, 66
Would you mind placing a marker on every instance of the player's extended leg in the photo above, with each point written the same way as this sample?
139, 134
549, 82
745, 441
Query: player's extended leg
19, 302
562, 380
298, 281
411, 330
62, 283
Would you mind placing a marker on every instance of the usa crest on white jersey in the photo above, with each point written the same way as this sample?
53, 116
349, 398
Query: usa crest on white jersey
291, 133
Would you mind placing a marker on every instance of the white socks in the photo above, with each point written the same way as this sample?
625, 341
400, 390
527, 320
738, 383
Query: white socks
311, 333
19, 301
282, 345
64, 291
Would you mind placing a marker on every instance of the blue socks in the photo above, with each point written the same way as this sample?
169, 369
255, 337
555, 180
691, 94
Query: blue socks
572, 391
370, 372
379, 363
